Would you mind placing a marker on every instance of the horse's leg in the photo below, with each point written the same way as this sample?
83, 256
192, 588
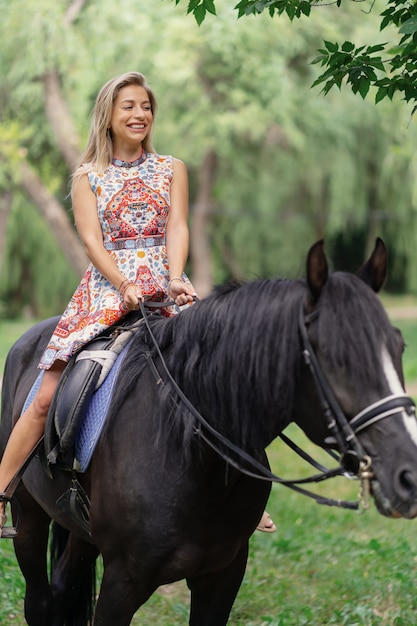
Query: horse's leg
31, 546
121, 595
73, 582
213, 595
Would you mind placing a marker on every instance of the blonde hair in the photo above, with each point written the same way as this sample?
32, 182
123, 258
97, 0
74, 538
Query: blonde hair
99, 150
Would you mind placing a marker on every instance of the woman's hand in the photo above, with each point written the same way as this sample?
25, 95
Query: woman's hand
181, 292
131, 297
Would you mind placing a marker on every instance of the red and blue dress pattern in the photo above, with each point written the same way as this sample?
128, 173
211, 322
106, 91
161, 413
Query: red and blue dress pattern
133, 207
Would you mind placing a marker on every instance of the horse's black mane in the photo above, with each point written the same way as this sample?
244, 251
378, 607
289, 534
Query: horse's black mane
237, 330
239, 349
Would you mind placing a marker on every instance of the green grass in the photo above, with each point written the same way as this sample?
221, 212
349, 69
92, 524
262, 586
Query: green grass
324, 566
409, 332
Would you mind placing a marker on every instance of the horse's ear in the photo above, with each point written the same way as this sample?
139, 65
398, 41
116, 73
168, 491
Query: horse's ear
374, 271
317, 269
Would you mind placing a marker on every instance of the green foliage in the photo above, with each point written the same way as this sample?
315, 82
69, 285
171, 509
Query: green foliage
199, 8
292, 166
36, 280
356, 65
359, 65
293, 8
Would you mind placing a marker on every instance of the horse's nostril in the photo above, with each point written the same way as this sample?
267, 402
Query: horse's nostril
407, 483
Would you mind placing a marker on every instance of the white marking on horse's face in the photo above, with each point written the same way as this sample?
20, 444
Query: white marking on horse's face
395, 386
390, 372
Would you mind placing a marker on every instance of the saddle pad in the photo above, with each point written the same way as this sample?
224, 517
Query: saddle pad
32, 393
95, 418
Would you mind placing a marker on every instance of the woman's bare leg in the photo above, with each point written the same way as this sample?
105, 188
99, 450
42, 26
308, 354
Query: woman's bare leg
28, 430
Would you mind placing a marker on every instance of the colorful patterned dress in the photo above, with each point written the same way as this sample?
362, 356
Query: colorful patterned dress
133, 201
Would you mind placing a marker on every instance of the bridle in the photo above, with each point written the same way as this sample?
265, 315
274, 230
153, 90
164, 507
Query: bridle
342, 432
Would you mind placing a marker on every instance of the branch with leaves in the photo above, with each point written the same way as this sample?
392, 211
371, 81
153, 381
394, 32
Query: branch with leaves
390, 69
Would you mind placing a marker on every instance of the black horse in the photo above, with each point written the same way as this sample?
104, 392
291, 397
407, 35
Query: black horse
165, 505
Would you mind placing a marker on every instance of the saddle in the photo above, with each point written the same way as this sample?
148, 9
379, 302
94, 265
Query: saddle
87, 378
81, 379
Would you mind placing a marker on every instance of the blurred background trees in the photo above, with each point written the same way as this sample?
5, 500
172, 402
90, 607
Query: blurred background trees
273, 164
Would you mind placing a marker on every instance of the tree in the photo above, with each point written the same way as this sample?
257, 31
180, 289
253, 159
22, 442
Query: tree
272, 164
360, 66
57, 114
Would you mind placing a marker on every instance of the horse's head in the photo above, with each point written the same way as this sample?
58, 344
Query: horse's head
353, 360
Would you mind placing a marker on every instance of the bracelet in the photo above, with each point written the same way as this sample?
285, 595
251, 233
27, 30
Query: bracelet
122, 284
126, 287
172, 280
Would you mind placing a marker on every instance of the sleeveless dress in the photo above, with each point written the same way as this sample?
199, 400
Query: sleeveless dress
133, 202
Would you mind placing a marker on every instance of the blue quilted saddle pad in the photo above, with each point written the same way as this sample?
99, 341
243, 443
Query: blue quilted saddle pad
92, 425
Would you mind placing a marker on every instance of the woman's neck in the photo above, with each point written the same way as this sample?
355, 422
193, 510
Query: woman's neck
128, 155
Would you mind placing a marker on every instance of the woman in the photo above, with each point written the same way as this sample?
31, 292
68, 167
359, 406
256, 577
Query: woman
130, 207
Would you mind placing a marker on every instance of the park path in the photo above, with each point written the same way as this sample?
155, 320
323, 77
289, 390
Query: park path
402, 313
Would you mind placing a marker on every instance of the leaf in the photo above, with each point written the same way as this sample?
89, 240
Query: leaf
192, 5
320, 59
409, 26
331, 47
363, 86
378, 48
385, 22
380, 94
391, 90
305, 8
290, 10
199, 14
378, 64
209, 6
348, 46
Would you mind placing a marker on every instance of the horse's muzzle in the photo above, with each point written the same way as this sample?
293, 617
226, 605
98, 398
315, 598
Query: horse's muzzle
404, 502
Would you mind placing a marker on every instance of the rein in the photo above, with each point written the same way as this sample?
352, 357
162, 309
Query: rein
263, 472
341, 430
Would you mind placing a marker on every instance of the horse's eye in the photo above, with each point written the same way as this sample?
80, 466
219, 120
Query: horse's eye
400, 339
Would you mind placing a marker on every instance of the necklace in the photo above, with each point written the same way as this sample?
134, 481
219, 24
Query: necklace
138, 161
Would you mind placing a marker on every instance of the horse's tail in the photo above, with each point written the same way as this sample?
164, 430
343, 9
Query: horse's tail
79, 612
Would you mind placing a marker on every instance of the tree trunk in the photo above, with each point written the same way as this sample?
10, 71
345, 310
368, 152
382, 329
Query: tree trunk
199, 239
56, 109
55, 215
57, 113
73, 10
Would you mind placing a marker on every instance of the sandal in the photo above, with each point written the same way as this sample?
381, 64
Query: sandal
266, 525
6, 532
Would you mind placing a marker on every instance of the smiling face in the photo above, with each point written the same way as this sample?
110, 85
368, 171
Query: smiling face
131, 121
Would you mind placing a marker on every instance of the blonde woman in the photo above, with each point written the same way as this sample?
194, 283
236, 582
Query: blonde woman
130, 207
